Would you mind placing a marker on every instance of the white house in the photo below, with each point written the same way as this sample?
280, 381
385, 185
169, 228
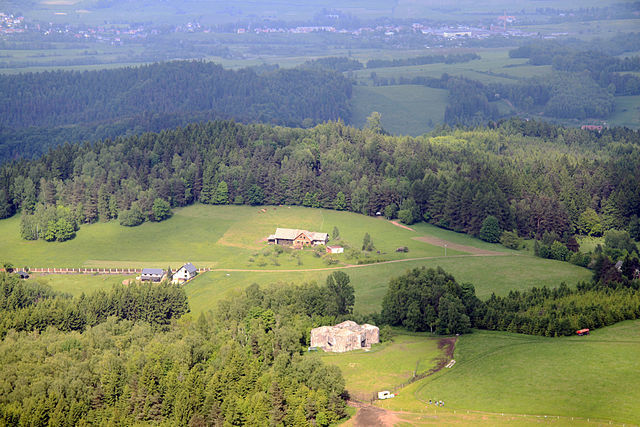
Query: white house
184, 273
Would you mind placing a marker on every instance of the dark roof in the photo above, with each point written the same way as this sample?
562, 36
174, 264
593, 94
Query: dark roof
22, 274
153, 271
190, 268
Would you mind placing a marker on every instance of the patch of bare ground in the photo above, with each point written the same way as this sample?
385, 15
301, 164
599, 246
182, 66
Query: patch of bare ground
463, 248
397, 224
372, 416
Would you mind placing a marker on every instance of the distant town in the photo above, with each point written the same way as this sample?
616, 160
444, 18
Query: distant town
119, 34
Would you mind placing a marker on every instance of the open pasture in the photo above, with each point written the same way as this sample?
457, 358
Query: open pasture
393, 362
406, 110
494, 66
489, 274
229, 239
627, 111
593, 377
216, 237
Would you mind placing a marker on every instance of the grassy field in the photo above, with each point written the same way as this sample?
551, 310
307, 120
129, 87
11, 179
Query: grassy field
393, 363
587, 377
406, 110
219, 238
488, 275
494, 66
627, 111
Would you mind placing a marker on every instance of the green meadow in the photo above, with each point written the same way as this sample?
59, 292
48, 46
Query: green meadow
231, 237
498, 274
393, 362
406, 110
230, 240
595, 376
627, 111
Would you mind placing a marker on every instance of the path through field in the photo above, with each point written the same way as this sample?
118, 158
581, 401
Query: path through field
463, 248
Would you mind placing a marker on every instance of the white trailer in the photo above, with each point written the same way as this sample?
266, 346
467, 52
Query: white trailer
385, 395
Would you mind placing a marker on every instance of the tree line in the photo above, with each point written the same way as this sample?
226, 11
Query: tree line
532, 177
240, 364
431, 300
35, 307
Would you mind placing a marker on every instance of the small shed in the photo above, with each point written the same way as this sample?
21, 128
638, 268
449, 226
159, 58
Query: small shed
582, 332
184, 273
22, 274
335, 249
152, 274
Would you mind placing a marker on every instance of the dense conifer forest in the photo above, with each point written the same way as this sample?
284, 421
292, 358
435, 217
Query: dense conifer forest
45, 109
125, 357
533, 178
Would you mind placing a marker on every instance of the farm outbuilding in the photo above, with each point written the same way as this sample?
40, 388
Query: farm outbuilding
345, 336
152, 275
335, 249
297, 238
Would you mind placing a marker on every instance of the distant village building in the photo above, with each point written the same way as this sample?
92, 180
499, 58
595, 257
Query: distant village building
596, 128
184, 273
345, 336
335, 249
152, 274
297, 238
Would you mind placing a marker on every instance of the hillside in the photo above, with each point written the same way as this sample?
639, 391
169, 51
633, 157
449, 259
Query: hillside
239, 256
534, 178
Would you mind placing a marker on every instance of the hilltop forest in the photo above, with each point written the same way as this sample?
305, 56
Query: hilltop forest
40, 110
533, 178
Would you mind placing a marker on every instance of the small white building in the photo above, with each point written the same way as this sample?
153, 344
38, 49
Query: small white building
184, 273
335, 249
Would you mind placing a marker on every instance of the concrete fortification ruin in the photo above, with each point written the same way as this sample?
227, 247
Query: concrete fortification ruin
345, 336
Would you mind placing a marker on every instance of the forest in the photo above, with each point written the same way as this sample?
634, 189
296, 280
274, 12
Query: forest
39, 110
532, 177
129, 356
431, 300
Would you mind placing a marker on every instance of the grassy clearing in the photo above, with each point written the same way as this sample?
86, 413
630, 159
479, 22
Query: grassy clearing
406, 110
587, 377
498, 274
627, 111
76, 284
393, 363
219, 238
494, 66
588, 243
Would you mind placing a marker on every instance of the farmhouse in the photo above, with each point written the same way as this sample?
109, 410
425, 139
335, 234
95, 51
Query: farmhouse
297, 238
152, 274
345, 336
184, 273
335, 249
